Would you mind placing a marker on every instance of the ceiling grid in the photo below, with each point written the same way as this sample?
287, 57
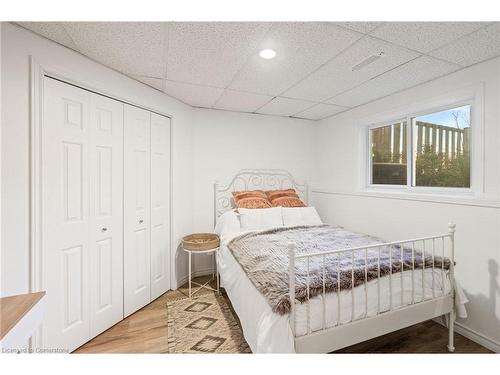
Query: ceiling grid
216, 64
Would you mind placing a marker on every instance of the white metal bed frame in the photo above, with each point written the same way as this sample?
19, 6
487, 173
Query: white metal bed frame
254, 179
341, 335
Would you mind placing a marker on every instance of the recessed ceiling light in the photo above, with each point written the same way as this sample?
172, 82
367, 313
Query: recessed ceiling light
267, 54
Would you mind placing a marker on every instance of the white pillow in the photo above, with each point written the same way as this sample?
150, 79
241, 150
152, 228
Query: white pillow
260, 218
293, 216
228, 224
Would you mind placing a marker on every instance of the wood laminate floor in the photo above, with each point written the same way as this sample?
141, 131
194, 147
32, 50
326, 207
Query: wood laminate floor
146, 332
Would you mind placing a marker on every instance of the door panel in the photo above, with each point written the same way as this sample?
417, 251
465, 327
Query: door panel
104, 182
106, 197
160, 205
73, 285
104, 276
137, 286
72, 181
141, 259
65, 215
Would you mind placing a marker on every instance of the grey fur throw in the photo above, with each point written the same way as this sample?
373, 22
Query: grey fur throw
264, 258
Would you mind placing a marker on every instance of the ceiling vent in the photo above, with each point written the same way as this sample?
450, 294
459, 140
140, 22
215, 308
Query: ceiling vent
367, 61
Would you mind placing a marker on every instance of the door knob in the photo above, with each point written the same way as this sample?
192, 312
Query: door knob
104, 229
141, 221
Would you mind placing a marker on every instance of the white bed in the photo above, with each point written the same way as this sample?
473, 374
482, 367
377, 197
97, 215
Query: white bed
268, 332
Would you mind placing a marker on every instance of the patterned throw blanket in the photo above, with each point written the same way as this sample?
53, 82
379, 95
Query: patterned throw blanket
264, 258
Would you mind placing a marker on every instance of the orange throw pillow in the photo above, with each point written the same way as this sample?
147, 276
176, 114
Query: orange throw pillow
271, 194
287, 201
284, 198
253, 202
251, 199
249, 193
283, 194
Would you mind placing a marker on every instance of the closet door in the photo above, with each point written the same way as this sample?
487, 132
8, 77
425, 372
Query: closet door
160, 205
136, 267
106, 212
65, 215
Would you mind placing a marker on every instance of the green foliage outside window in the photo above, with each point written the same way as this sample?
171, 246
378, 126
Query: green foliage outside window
442, 170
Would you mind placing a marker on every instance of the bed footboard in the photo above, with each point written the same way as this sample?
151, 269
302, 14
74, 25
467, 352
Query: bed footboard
366, 322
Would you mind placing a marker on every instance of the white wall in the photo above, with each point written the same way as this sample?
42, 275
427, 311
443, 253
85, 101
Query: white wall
225, 142
477, 252
17, 45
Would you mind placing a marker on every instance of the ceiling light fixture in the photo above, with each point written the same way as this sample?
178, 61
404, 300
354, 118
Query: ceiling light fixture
267, 54
367, 61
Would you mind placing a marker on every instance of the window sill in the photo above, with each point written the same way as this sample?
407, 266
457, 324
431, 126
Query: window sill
462, 198
422, 191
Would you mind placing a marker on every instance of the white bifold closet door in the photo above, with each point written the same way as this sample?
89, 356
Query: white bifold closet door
136, 251
82, 213
146, 207
106, 208
160, 205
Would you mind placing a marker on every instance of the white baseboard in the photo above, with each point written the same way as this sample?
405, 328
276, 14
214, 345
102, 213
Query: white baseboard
475, 336
202, 272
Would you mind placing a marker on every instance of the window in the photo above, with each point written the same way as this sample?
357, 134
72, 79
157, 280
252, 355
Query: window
389, 153
438, 152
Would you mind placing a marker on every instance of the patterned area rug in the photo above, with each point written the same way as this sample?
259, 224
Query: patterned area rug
204, 324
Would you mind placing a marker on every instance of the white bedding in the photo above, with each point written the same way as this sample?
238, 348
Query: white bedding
268, 332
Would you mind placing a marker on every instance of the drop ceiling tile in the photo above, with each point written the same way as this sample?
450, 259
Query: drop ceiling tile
362, 27
155, 83
321, 111
301, 47
337, 75
211, 53
481, 45
413, 73
130, 47
280, 106
195, 95
425, 36
51, 30
232, 100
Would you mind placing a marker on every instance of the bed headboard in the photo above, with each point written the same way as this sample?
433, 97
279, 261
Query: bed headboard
254, 179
